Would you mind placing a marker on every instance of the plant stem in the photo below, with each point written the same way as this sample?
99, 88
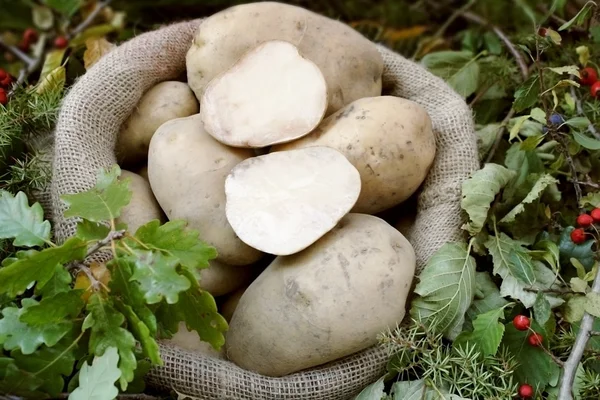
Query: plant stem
89, 20
571, 163
499, 135
112, 236
570, 366
17, 52
553, 291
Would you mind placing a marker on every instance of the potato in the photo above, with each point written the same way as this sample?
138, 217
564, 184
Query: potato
187, 169
388, 139
142, 207
350, 63
230, 303
189, 340
283, 202
143, 172
326, 302
272, 95
220, 279
164, 102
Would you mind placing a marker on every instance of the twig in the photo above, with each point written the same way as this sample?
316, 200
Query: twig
18, 53
587, 183
557, 360
570, 366
580, 111
89, 20
499, 135
113, 235
594, 333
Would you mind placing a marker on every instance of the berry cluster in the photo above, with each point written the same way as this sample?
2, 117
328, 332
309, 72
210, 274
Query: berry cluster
522, 323
585, 221
5, 81
589, 77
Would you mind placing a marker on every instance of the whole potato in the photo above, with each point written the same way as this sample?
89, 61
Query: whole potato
143, 206
187, 169
326, 302
143, 172
164, 102
189, 340
390, 142
220, 279
350, 63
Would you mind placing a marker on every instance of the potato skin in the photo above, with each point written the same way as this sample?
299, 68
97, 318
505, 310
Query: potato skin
230, 303
187, 169
326, 302
165, 101
143, 206
388, 139
350, 63
220, 279
189, 340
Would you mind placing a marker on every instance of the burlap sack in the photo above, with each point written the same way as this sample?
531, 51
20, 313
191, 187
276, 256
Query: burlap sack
101, 100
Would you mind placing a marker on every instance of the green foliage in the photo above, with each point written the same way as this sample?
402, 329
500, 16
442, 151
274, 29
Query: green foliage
96, 382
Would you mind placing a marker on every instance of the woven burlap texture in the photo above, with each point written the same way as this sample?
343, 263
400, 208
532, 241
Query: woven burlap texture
100, 101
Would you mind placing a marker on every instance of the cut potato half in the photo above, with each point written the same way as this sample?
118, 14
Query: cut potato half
271, 95
281, 203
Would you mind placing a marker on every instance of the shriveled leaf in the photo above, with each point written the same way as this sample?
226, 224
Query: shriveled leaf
487, 332
586, 142
568, 69
479, 191
15, 334
580, 18
554, 36
374, 391
54, 81
97, 382
458, 68
96, 48
104, 201
541, 308
446, 289
52, 310
592, 304
527, 94
21, 222
39, 267
535, 193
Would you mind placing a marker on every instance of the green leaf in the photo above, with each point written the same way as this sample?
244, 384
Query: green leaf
418, 390
544, 279
527, 94
18, 382
580, 18
97, 382
175, 240
15, 334
158, 277
539, 368
587, 142
582, 252
500, 247
372, 392
92, 231
539, 115
579, 285
521, 266
65, 7
42, 17
54, 309
487, 332
532, 142
574, 308
578, 122
20, 221
550, 252
541, 308
487, 298
568, 69
40, 267
535, 193
106, 328
446, 289
59, 283
104, 201
479, 191
561, 84
592, 199
486, 136
142, 334
592, 304
458, 68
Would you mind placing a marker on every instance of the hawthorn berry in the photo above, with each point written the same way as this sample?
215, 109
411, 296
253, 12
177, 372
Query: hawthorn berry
595, 214
30, 35
578, 236
521, 322
61, 42
595, 88
535, 339
3, 74
585, 220
526, 391
589, 76
3, 97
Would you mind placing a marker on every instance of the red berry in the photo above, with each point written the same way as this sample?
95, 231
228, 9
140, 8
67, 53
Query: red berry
3, 97
535, 339
61, 42
589, 76
30, 35
521, 322
595, 88
24, 45
595, 214
585, 220
578, 236
6, 81
542, 32
526, 391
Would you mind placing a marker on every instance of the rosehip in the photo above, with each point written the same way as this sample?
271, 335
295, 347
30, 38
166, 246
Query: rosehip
6, 81
535, 339
521, 323
3, 74
24, 45
595, 88
595, 214
526, 391
585, 220
61, 42
30, 35
3, 97
578, 236
589, 76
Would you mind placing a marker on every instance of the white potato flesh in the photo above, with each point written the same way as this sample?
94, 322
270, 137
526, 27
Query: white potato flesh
281, 203
271, 95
